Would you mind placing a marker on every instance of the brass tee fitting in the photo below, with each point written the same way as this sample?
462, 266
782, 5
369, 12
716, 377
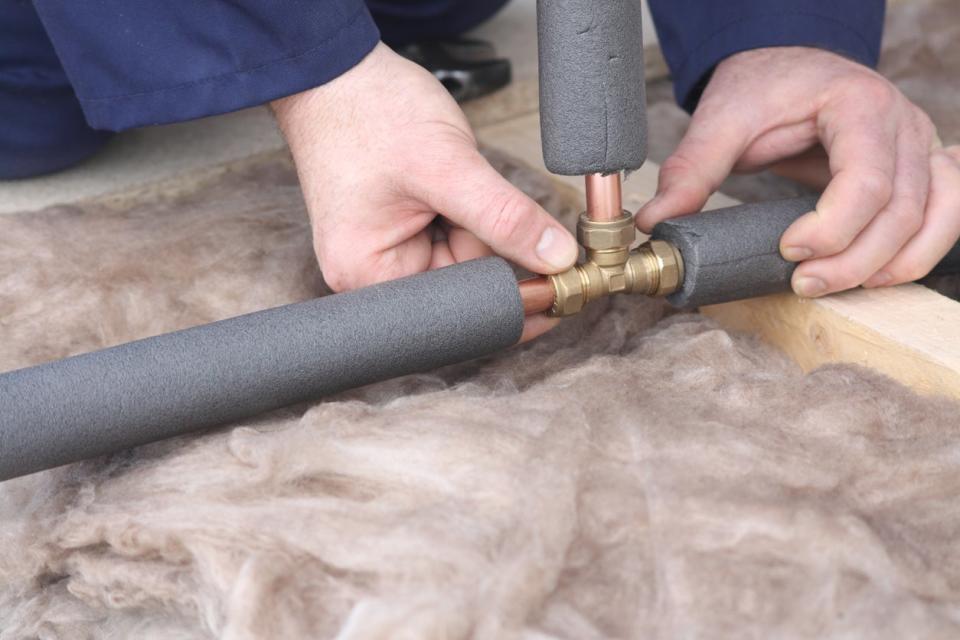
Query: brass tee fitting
655, 268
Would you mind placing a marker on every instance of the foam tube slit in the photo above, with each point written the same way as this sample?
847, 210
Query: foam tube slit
132, 394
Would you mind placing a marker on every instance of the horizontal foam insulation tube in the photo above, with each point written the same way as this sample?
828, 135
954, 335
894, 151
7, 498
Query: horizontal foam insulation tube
734, 254
592, 95
103, 402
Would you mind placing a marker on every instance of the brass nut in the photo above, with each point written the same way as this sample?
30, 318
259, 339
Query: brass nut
605, 236
670, 265
608, 259
644, 271
570, 293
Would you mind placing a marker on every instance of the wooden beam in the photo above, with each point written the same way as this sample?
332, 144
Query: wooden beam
909, 333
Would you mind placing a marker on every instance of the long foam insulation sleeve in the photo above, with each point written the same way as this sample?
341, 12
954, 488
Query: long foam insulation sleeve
152, 389
592, 95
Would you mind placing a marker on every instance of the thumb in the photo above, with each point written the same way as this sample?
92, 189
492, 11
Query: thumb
474, 196
704, 158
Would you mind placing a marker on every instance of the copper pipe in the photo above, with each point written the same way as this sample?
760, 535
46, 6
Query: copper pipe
604, 197
537, 295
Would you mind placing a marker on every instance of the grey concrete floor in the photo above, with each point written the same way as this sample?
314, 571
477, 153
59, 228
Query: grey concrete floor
151, 154
148, 155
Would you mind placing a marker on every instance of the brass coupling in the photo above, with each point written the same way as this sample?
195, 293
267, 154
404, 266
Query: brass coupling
655, 268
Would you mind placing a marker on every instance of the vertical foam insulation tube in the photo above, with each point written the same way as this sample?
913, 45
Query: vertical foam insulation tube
160, 387
592, 95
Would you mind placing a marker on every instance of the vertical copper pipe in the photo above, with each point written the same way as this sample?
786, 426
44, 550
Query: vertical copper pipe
537, 295
604, 197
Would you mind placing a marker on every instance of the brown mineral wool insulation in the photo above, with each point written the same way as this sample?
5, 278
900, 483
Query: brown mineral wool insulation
921, 54
631, 475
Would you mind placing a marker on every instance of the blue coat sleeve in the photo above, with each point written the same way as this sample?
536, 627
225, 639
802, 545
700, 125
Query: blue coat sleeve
139, 62
696, 35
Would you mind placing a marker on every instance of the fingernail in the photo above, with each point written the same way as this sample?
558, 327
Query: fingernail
881, 279
808, 287
796, 254
557, 249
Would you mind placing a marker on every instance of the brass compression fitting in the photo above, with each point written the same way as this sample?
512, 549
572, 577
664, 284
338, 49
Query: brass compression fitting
607, 233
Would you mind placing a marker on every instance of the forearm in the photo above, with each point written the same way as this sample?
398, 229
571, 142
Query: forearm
168, 62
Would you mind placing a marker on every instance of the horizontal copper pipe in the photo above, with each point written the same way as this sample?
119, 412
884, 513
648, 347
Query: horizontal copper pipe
604, 197
537, 295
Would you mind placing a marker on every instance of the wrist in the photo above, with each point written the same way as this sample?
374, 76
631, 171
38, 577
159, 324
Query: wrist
323, 97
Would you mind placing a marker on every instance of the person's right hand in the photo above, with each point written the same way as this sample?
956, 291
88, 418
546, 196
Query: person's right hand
395, 185
890, 209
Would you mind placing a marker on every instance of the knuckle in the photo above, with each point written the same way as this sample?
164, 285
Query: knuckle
907, 219
953, 153
851, 278
679, 168
925, 122
859, 274
873, 90
923, 130
509, 213
910, 271
876, 184
338, 271
335, 278
678, 163
833, 242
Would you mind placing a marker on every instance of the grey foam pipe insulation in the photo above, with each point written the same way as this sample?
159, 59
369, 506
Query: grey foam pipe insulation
734, 253
592, 95
144, 391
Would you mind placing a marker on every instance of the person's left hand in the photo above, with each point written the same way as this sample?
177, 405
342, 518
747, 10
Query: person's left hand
394, 183
891, 206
